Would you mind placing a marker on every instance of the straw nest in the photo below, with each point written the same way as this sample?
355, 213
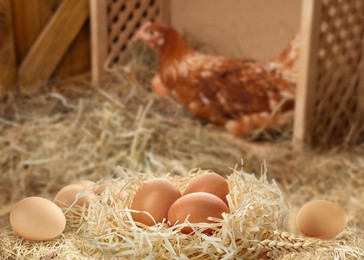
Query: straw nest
55, 138
253, 229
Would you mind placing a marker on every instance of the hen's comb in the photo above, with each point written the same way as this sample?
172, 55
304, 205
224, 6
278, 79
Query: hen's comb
145, 26
139, 34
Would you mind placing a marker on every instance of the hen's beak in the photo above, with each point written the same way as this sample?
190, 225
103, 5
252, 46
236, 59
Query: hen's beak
140, 34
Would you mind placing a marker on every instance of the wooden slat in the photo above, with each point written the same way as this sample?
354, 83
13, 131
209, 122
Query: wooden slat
98, 10
27, 25
165, 11
122, 19
46, 10
122, 36
360, 111
30, 17
77, 59
7, 49
52, 43
130, 28
307, 77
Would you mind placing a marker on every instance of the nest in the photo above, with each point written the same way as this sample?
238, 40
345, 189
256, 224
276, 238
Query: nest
251, 230
55, 138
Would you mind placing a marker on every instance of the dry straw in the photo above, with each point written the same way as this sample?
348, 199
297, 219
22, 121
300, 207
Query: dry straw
256, 207
252, 229
52, 139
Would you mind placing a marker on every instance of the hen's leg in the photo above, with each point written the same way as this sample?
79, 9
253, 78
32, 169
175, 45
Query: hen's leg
158, 87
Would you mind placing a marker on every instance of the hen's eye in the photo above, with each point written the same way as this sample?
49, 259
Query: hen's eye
152, 33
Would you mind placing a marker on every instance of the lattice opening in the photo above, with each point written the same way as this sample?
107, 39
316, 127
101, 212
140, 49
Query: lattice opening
124, 18
339, 57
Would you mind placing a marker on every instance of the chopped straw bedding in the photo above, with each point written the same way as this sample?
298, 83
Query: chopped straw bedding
122, 133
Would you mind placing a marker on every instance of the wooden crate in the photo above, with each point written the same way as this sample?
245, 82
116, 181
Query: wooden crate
328, 110
329, 107
114, 23
43, 40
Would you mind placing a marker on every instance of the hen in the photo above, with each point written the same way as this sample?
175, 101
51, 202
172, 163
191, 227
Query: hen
241, 95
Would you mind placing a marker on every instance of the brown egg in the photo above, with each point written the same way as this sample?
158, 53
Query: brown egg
87, 183
102, 187
200, 206
211, 183
321, 219
67, 195
121, 195
37, 219
154, 197
118, 195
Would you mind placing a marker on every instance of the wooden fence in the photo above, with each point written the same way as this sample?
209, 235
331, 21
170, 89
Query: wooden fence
43, 40
46, 39
330, 98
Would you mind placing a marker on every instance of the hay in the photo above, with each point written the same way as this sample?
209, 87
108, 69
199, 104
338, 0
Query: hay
54, 138
50, 140
256, 207
332, 176
252, 229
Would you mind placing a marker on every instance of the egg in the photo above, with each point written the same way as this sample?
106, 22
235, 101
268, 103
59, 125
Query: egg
114, 190
121, 195
321, 219
102, 187
67, 195
198, 206
87, 183
37, 219
211, 183
154, 197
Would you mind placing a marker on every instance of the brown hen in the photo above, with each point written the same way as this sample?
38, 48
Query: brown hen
241, 95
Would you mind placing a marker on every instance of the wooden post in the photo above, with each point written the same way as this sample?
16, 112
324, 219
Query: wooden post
360, 110
7, 48
98, 11
52, 43
307, 77
165, 10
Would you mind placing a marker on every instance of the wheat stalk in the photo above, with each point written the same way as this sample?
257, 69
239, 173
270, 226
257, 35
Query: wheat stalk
282, 243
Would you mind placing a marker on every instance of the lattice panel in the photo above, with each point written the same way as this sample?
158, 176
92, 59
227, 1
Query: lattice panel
339, 72
124, 19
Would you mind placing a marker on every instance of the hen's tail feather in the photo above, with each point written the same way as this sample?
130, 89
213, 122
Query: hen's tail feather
285, 64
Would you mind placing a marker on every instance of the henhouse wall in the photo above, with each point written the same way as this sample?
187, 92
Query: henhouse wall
44, 40
239, 28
